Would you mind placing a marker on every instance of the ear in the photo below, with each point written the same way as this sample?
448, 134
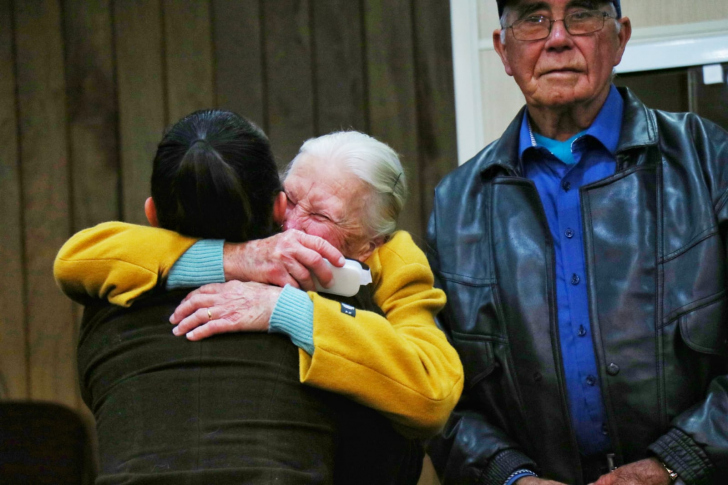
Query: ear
500, 48
151, 211
368, 248
279, 208
622, 38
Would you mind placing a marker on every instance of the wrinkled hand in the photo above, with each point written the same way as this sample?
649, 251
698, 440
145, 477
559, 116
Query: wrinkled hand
235, 307
290, 257
643, 472
536, 481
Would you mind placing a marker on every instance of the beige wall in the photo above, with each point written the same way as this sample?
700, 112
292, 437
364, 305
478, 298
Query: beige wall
500, 95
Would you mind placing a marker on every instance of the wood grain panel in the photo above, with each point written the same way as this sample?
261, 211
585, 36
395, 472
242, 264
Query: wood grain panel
188, 48
391, 81
339, 66
435, 96
92, 112
13, 352
238, 50
141, 95
287, 38
44, 156
92, 119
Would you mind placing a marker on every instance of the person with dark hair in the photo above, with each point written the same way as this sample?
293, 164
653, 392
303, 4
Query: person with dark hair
214, 175
344, 190
229, 409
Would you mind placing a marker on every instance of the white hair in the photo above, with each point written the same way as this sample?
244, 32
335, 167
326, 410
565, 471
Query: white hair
374, 163
503, 25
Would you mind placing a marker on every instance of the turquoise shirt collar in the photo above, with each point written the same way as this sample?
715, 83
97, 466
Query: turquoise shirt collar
605, 128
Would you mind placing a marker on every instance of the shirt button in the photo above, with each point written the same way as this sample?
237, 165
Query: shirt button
582, 331
575, 279
569, 233
612, 369
566, 185
605, 431
591, 380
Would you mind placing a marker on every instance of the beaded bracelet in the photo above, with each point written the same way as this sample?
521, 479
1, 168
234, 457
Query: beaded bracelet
524, 472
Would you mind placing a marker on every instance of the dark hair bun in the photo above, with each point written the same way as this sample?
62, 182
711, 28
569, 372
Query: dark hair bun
214, 177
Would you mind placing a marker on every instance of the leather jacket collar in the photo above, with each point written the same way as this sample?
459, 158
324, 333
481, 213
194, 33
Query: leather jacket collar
639, 130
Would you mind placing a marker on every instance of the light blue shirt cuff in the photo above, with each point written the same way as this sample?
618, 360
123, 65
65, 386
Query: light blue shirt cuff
293, 316
201, 264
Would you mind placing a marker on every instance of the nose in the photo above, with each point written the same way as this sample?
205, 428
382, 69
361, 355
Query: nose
559, 37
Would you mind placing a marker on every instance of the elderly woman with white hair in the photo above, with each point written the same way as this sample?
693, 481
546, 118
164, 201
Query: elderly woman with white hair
344, 191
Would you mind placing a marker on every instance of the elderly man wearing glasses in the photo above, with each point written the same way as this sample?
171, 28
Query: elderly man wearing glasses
583, 255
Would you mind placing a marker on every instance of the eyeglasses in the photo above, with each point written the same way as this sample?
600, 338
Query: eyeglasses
538, 27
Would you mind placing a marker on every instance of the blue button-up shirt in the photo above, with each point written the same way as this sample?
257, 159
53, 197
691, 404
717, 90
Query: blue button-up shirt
591, 157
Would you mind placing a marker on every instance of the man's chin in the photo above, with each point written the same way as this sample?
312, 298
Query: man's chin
557, 97
564, 91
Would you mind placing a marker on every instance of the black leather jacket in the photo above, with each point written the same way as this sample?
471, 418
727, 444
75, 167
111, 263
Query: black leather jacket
655, 236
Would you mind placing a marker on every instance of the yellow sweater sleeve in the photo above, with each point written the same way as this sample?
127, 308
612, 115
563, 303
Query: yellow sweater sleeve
117, 261
401, 365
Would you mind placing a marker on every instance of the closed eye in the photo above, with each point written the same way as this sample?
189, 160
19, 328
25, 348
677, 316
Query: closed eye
321, 217
290, 201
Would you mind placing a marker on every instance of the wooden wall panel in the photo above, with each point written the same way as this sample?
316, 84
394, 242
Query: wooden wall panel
92, 112
339, 66
188, 49
238, 50
141, 98
13, 361
87, 88
435, 97
44, 157
288, 74
392, 99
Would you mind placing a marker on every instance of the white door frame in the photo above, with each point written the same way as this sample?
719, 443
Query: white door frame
650, 48
468, 85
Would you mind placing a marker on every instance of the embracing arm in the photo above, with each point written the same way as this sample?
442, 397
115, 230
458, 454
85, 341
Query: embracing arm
117, 261
401, 365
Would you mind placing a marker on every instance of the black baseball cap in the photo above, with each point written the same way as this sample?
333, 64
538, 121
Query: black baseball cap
617, 6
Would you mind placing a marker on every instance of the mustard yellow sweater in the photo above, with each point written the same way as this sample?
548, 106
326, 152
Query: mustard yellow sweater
401, 365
